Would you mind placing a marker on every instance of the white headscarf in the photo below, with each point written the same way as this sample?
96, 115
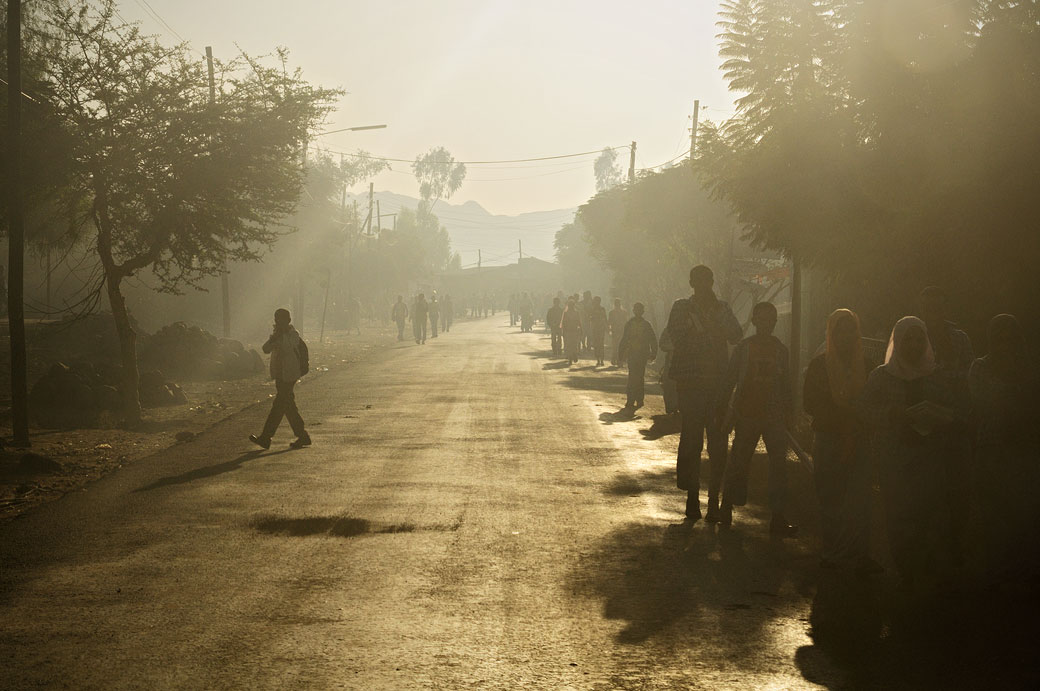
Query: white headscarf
898, 367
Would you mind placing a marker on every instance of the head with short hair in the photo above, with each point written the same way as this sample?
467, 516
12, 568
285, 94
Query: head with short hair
637, 309
617, 303
282, 317
556, 302
400, 297
597, 300
701, 279
764, 317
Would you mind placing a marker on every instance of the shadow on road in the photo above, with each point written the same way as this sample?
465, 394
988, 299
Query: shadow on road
337, 526
210, 470
625, 414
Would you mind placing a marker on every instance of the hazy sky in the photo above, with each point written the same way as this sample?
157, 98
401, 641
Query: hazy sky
488, 79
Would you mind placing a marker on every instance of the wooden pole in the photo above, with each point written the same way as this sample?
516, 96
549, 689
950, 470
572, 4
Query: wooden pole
632, 163
693, 130
16, 229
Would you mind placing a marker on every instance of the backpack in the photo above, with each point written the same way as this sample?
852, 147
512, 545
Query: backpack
304, 357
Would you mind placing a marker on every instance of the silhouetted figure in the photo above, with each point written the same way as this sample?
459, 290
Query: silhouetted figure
668, 389
700, 327
433, 308
953, 358
570, 327
526, 308
514, 309
616, 321
400, 316
289, 361
584, 310
420, 312
1005, 386
354, 315
759, 377
834, 381
552, 322
598, 329
910, 409
447, 313
638, 346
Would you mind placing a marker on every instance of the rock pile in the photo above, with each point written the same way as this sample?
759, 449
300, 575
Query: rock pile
189, 352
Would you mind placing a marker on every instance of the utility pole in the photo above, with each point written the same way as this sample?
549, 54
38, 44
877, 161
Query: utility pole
693, 130
632, 163
520, 247
16, 229
371, 191
379, 218
225, 287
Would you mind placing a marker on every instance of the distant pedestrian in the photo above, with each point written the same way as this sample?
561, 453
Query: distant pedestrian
759, 376
700, 327
420, 312
570, 327
616, 321
585, 311
834, 381
598, 329
354, 315
289, 361
552, 322
638, 346
447, 313
400, 315
434, 310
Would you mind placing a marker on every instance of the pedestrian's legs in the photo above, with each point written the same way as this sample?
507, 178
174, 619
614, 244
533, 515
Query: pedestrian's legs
775, 438
830, 476
745, 439
292, 413
282, 399
422, 331
433, 327
718, 443
400, 329
636, 374
691, 440
615, 356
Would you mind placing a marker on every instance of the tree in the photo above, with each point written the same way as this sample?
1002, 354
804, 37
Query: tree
163, 179
608, 173
438, 174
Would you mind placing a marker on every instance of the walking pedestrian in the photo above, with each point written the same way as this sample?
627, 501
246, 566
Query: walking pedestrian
434, 310
638, 346
420, 312
447, 314
570, 327
834, 381
290, 360
759, 377
910, 410
552, 321
700, 327
616, 321
598, 329
400, 315
1005, 385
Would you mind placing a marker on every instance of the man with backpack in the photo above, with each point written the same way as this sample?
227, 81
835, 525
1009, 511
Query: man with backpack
290, 360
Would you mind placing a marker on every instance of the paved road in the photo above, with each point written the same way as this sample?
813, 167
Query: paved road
471, 515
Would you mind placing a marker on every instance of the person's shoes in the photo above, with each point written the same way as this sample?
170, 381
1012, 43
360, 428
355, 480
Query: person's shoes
693, 507
302, 441
262, 442
726, 515
779, 527
417, 341
713, 514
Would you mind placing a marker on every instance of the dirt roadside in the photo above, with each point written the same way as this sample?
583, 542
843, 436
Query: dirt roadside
63, 461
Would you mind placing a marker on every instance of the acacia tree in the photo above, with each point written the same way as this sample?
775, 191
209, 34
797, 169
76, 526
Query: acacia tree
162, 179
438, 174
605, 168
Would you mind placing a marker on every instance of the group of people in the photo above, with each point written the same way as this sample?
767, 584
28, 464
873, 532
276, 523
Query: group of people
932, 420
434, 312
582, 324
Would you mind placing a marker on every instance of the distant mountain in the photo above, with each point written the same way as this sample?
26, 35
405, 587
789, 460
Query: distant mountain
471, 228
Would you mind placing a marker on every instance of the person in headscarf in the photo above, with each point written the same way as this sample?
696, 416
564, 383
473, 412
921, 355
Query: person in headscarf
912, 410
1004, 394
953, 358
570, 326
834, 381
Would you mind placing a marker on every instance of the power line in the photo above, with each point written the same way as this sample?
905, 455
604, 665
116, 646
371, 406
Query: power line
469, 163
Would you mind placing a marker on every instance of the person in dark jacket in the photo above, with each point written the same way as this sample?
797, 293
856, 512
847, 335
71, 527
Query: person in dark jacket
400, 316
759, 376
701, 327
638, 346
420, 313
434, 310
834, 381
570, 327
288, 363
552, 322
616, 321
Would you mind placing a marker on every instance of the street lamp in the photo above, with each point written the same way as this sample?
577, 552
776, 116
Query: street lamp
356, 129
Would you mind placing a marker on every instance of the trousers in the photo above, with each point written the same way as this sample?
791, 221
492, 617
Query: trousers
697, 408
284, 405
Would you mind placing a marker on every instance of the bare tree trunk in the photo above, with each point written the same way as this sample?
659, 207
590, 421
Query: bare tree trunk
127, 350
